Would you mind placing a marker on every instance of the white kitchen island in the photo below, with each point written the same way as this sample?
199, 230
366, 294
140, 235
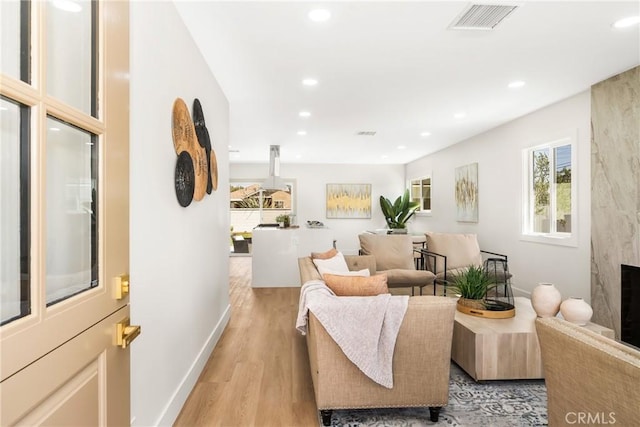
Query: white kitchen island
275, 253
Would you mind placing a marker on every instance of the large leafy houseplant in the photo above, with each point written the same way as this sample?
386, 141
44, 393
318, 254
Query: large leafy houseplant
399, 212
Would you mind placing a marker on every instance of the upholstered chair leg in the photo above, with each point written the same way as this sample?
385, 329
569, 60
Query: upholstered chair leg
326, 417
434, 413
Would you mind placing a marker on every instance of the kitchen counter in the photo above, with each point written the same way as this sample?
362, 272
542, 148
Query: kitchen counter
275, 253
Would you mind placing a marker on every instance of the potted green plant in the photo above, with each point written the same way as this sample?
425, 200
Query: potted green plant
397, 214
283, 220
472, 286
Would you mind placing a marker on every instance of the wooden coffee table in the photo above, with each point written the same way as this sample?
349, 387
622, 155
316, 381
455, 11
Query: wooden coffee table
502, 349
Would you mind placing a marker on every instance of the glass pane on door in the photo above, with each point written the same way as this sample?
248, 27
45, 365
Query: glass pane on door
14, 211
14, 36
71, 34
71, 211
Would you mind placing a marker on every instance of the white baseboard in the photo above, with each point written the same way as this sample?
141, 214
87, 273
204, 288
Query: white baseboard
517, 292
172, 409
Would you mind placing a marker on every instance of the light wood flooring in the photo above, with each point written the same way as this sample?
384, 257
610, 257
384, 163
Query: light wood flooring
258, 373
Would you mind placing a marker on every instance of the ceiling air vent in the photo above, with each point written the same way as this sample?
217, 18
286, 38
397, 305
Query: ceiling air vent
481, 17
366, 133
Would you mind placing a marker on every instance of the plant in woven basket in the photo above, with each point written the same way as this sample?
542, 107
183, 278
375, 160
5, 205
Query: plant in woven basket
472, 285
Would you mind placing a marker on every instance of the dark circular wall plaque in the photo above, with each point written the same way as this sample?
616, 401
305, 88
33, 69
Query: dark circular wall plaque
198, 115
205, 142
184, 179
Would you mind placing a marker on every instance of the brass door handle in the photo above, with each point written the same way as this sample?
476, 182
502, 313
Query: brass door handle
126, 333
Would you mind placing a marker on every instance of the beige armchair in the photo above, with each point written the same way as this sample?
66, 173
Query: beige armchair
394, 255
590, 379
450, 254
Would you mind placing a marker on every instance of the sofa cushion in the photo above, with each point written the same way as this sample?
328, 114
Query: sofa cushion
401, 277
451, 273
391, 251
352, 273
335, 264
461, 250
324, 255
357, 286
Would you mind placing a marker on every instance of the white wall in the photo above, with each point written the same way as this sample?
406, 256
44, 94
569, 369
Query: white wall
179, 256
499, 156
311, 182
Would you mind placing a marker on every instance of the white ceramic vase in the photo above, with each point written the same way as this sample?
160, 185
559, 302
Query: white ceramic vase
546, 299
576, 310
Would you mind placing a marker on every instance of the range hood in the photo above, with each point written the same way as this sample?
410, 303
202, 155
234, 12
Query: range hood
274, 182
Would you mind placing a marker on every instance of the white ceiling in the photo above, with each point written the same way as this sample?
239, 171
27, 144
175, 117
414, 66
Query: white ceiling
396, 69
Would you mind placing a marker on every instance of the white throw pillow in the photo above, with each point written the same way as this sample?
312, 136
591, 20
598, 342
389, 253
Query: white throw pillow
335, 265
359, 273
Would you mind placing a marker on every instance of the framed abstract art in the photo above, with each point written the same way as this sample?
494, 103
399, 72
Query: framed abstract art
348, 200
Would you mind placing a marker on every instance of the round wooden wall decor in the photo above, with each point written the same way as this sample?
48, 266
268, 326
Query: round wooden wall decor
192, 143
213, 169
205, 142
184, 179
201, 168
184, 133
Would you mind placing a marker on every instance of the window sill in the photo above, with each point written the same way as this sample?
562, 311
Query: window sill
424, 213
551, 239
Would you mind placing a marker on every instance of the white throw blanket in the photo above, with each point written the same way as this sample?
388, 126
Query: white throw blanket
365, 328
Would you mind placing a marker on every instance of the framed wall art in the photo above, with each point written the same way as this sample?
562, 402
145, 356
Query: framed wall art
348, 200
467, 193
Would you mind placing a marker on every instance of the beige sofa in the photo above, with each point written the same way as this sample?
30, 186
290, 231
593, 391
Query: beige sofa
421, 360
590, 379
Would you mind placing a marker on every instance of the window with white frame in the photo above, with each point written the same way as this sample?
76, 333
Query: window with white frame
550, 191
421, 193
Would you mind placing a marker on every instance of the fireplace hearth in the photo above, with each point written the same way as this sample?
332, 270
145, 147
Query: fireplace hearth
630, 305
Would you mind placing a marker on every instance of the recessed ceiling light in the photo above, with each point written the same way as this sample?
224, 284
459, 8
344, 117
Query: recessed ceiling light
309, 82
319, 15
402, 147
302, 132
516, 84
626, 22
425, 134
460, 115
298, 156
384, 156
67, 5
304, 114
54, 129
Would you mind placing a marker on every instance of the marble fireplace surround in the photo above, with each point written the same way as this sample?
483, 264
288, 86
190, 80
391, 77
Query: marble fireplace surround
615, 191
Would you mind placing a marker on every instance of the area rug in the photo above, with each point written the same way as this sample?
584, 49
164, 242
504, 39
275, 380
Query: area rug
486, 404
